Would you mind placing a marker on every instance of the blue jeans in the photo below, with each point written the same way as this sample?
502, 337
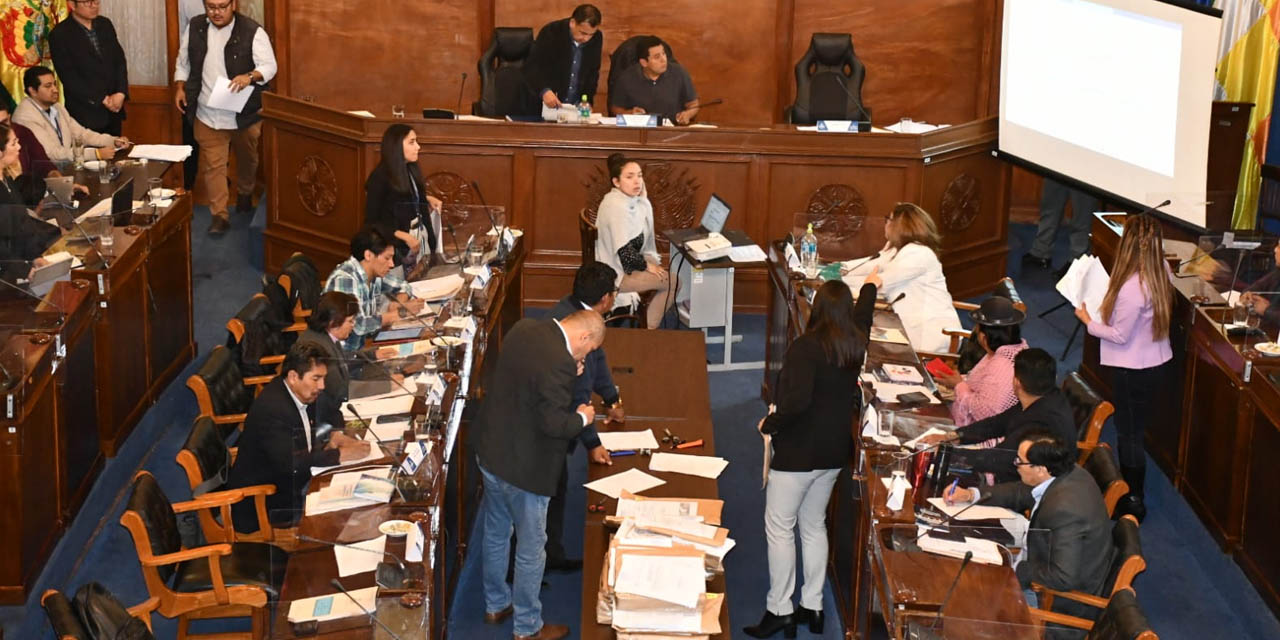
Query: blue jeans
506, 507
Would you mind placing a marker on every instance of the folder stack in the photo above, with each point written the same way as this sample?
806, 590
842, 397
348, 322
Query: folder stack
652, 593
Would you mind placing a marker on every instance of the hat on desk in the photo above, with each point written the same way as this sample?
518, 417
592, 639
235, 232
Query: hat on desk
997, 311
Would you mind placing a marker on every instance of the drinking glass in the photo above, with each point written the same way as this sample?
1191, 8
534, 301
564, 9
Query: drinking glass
904, 125
1240, 313
475, 256
397, 111
104, 172
885, 427
106, 239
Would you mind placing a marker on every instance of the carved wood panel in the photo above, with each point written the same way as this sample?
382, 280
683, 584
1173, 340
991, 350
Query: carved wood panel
671, 190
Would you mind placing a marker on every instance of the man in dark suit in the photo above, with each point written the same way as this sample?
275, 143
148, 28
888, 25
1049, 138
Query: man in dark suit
1068, 545
594, 289
521, 435
1041, 405
283, 438
564, 64
92, 66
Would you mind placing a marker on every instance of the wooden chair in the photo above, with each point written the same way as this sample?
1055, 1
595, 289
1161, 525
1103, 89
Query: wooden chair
1102, 465
964, 344
1090, 412
627, 313
222, 393
1125, 566
222, 580
207, 459
300, 280
71, 622
1121, 619
260, 336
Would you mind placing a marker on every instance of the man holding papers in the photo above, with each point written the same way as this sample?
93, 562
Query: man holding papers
284, 436
367, 276
222, 54
521, 434
1069, 537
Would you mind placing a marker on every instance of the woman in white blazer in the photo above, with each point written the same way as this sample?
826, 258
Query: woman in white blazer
910, 275
625, 239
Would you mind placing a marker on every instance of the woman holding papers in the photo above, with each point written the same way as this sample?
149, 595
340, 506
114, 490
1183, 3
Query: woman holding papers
816, 400
987, 389
625, 240
395, 194
908, 271
1133, 331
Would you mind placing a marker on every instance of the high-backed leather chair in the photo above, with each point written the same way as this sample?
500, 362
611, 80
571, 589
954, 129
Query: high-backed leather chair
1102, 465
1090, 412
96, 614
222, 392
829, 82
301, 283
1122, 619
260, 334
247, 577
1126, 563
624, 57
503, 88
207, 459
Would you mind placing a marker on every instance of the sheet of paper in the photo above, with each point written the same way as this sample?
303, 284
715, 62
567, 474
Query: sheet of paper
747, 253
374, 454
370, 409
360, 557
337, 605
633, 480
679, 525
222, 98
437, 288
642, 620
164, 152
384, 431
979, 512
628, 440
641, 509
675, 579
931, 431
1086, 282
889, 334
984, 551
362, 113
703, 466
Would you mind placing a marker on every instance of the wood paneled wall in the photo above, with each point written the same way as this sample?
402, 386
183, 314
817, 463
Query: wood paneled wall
934, 60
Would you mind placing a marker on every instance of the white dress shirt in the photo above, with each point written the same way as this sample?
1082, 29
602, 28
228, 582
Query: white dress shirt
302, 411
569, 348
215, 66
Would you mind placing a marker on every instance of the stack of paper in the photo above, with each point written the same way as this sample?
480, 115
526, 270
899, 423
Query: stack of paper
902, 373
979, 512
437, 288
700, 510
164, 152
650, 592
1085, 283
341, 492
702, 466
374, 406
984, 551
628, 440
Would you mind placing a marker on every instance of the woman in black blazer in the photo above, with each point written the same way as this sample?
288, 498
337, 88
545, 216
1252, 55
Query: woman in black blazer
395, 194
22, 238
814, 407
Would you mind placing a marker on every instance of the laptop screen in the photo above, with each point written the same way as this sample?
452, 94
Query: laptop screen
122, 202
715, 215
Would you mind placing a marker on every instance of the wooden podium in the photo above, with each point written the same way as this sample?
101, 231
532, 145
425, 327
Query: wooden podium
544, 175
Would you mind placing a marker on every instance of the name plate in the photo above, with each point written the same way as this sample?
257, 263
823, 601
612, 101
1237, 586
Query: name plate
637, 120
838, 126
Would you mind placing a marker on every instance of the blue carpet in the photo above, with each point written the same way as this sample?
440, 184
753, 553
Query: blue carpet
1190, 589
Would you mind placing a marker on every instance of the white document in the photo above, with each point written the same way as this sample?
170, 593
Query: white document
889, 334
902, 373
360, 557
747, 253
628, 440
362, 113
980, 512
687, 526
337, 605
385, 431
465, 324
932, 431
437, 288
374, 454
703, 466
913, 127
681, 621
1086, 282
222, 98
163, 152
632, 480
414, 544
675, 579
984, 551
370, 409
649, 509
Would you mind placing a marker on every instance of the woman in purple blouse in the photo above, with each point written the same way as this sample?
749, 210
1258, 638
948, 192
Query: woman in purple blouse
1133, 332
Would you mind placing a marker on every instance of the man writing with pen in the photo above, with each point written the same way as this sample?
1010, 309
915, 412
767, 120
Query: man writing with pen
367, 276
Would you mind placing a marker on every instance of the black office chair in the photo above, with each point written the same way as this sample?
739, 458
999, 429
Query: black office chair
96, 614
503, 89
829, 82
624, 57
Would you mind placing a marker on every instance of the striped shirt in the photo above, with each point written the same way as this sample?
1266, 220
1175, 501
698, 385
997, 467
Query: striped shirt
349, 277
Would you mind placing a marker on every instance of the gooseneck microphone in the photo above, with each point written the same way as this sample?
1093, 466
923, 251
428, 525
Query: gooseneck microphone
968, 556
338, 585
500, 230
951, 518
395, 462
461, 86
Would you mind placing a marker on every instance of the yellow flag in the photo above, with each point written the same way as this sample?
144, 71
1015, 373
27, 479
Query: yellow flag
1247, 73
24, 37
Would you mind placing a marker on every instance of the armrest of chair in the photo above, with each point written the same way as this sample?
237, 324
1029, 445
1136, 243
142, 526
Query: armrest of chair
1040, 615
1083, 598
258, 381
271, 359
964, 306
142, 610
210, 500
296, 327
230, 418
209, 551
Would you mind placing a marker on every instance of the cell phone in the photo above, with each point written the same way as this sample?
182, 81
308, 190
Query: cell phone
915, 398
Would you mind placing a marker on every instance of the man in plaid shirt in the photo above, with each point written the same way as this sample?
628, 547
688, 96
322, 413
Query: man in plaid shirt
365, 275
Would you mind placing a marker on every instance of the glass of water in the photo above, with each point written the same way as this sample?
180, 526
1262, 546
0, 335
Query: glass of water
397, 111
475, 256
106, 235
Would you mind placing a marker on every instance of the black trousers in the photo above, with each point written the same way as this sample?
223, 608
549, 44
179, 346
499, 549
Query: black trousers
192, 164
555, 518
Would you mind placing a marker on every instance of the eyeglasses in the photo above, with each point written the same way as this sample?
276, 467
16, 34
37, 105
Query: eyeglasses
1022, 463
213, 8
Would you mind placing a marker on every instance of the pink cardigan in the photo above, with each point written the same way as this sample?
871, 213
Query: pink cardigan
988, 388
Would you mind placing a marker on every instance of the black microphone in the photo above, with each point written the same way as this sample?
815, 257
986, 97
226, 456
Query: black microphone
898, 299
968, 556
864, 261
62, 315
500, 230
862, 114
949, 519
338, 585
407, 314
461, 86
452, 234
395, 462
101, 255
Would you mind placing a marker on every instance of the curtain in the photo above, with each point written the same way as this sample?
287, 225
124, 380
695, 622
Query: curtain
140, 25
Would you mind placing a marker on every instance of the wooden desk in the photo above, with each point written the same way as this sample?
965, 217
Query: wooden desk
544, 174
663, 378
143, 331
49, 454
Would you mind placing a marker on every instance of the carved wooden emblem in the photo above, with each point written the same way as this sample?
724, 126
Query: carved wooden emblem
960, 203
671, 192
317, 186
451, 188
837, 199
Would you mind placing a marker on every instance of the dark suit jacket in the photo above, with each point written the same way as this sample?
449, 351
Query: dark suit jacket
1077, 552
552, 57
1051, 412
273, 450
388, 210
595, 376
87, 76
525, 423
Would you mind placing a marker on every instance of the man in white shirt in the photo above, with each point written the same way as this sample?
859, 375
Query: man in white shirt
54, 128
223, 46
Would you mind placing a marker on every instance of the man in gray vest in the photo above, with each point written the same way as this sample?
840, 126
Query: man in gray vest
223, 46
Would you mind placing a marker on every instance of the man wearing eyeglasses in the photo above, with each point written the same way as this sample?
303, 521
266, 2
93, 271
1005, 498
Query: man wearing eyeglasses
92, 66
224, 46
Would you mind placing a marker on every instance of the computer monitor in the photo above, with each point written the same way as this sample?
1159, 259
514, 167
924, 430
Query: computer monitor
122, 203
715, 215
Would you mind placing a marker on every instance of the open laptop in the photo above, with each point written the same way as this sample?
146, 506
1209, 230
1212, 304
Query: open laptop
713, 220
119, 206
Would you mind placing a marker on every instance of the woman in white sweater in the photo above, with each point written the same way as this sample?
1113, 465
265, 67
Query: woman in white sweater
625, 240
909, 274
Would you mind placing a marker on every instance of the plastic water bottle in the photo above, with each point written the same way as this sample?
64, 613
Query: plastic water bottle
584, 109
809, 253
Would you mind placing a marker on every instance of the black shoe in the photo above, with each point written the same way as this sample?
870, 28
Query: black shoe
1034, 261
812, 616
244, 204
564, 565
771, 624
218, 226
1132, 505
